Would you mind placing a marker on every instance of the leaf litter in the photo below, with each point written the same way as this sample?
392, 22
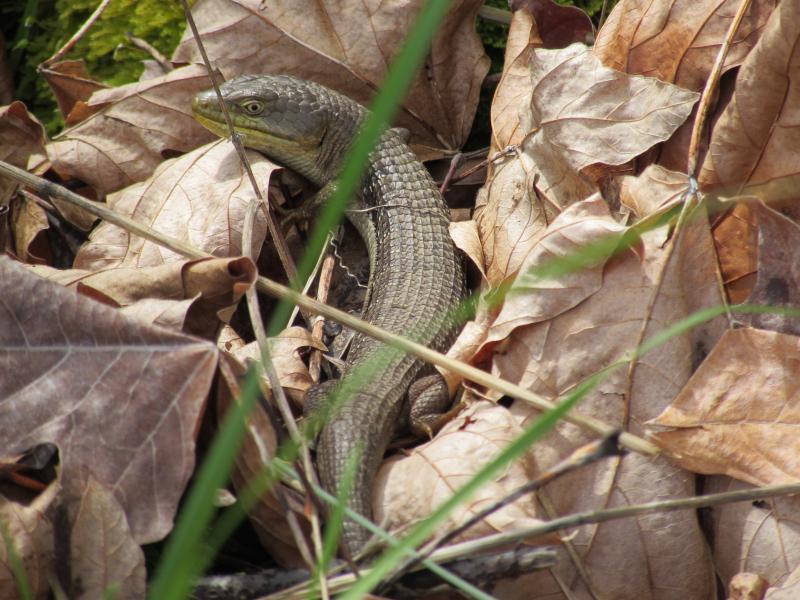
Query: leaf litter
587, 143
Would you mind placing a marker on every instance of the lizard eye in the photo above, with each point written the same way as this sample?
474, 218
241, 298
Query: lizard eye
253, 107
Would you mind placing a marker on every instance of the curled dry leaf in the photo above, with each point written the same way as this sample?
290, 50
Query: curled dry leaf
200, 198
27, 526
131, 130
778, 275
102, 552
194, 296
549, 339
754, 144
440, 467
758, 537
22, 135
747, 586
268, 514
559, 25
348, 48
738, 414
121, 400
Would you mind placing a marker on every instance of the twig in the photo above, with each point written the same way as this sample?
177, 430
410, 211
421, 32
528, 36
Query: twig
144, 46
486, 162
454, 163
272, 224
610, 514
276, 290
495, 15
61, 52
283, 406
323, 287
582, 456
710, 88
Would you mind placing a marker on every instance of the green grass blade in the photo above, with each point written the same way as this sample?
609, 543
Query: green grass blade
17, 568
178, 567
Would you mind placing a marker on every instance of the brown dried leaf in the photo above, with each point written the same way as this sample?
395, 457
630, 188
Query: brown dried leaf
28, 221
651, 190
789, 590
22, 135
285, 352
754, 144
131, 130
31, 533
200, 198
466, 238
759, 537
548, 341
736, 240
268, 515
102, 551
559, 25
348, 48
737, 415
121, 400
72, 85
192, 296
677, 40
584, 113
438, 468
778, 276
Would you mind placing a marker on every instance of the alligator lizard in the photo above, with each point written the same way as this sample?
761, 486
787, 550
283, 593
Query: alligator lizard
416, 275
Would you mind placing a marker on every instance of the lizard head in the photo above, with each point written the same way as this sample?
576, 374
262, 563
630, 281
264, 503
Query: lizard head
280, 116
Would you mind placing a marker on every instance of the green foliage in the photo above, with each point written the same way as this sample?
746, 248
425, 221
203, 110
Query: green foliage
37, 28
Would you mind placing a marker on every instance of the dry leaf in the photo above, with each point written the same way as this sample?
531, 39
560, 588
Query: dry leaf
778, 276
548, 340
759, 537
437, 469
738, 414
200, 198
285, 353
677, 40
268, 515
559, 25
736, 240
754, 143
72, 86
29, 529
102, 552
122, 401
193, 296
584, 113
789, 590
131, 130
22, 135
651, 190
747, 586
348, 48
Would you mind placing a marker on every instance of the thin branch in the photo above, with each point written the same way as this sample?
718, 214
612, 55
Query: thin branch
281, 402
61, 52
276, 290
711, 86
610, 514
144, 46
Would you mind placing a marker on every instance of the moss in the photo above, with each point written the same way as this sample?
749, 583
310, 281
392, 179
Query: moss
35, 29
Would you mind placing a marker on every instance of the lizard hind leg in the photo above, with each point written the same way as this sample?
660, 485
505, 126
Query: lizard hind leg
428, 402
